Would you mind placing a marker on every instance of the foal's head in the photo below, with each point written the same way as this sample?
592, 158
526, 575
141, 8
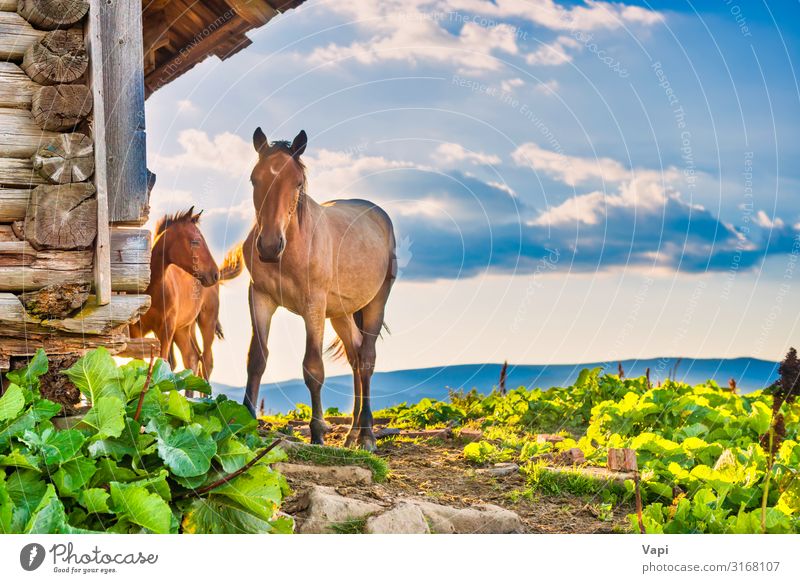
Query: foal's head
278, 188
185, 246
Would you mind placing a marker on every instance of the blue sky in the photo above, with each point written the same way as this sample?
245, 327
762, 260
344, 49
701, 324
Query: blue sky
570, 182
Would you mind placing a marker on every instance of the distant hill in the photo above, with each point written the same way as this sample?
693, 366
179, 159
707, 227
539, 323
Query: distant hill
391, 388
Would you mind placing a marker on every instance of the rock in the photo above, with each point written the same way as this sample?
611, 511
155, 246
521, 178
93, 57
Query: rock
482, 519
470, 435
572, 456
325, 475
549, 438
404, 518
384, 432
499, 470
325, 508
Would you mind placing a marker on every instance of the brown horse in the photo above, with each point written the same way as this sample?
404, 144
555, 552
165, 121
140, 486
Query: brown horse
335, 260
184, 291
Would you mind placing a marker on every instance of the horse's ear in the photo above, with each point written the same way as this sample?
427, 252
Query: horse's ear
259, 140
196, 217
299, 144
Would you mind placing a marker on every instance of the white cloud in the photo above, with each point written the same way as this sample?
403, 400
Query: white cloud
226, 153
186, 106
450, 153
591, 15
509, 85
763, 220
548, 87
554, 53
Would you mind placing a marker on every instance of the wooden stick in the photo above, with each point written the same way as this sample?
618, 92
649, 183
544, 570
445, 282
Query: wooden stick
638, 494
229, 477
146, 385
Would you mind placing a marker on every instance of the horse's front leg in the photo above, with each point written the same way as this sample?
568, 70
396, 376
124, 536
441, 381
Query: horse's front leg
261, 310
313, 367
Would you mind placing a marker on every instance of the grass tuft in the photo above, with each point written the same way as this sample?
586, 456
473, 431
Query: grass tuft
354, 526
339, 456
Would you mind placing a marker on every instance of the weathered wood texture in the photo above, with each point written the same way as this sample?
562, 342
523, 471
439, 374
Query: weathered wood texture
62, 217
23, 268
20, 135
8, 5
65, 158
622, 460
59, 57
19, 172
16, 36
142, 348
16, 88
23, 334
60, 107
94, 319
55, 301
52, 14
13, 204
120, 25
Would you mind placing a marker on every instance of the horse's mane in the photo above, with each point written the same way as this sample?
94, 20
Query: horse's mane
285, 146
178, 217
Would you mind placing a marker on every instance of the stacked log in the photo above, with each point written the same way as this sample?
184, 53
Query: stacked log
54, 232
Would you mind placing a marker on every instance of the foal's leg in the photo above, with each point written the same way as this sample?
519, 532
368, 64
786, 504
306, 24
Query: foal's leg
373, 314
189, 350
261, 310
207, 322
313, 367
350, 336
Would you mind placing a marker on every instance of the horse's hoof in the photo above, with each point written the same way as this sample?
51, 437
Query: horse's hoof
350, 440
317, 441
368, 444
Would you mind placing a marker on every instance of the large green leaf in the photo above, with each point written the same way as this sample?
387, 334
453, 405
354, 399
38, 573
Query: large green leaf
6, 507
106, 417
73, 476
29, 376
55, 447
44, 409
141, 507
258, 490
12, 402
95, 500
96, 375
233, 454
18, 459
16, 427
179, 407
26, 490
187, 451
221, 515
235, 418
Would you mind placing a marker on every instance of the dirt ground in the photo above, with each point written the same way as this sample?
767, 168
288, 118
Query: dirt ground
436, 470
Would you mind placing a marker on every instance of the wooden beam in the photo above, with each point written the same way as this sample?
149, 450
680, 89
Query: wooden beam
94, 319
16, 88
16, 36
256, 12
102, 251
8, 5
20, 135
119, 24
13, 204
19, 172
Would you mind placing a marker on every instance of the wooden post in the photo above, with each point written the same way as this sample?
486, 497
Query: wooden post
102, 248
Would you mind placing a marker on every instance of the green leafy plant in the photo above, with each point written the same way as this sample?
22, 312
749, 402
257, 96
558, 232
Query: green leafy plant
142, 459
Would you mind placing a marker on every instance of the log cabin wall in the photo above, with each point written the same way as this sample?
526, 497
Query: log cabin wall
73, 179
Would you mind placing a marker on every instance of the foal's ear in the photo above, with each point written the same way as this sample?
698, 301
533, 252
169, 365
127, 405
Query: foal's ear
299, 144
259, 140
196, 218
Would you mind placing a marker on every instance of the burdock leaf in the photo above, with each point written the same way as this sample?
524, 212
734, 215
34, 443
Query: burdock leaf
220, 515
73, 476
258, 490
56, 447
95, 500
96, 375
178, 406
233, 454
28, 376
106, 417
141, 507
187, 451
12, 402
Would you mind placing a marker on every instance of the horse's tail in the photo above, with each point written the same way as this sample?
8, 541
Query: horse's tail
336, 348
233, 264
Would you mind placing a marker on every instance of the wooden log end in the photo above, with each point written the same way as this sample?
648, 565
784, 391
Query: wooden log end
65, 159
52, 14
59, 57
61, 107
62, 217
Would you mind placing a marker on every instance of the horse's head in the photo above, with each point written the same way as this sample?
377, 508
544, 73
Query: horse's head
278, 186
185, 246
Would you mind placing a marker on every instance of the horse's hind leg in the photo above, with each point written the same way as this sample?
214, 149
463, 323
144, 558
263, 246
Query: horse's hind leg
350, 336
372, 323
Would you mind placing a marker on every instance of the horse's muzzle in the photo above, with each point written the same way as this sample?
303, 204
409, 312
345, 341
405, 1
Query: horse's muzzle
270, 253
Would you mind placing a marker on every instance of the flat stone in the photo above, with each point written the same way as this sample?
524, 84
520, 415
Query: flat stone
481, 519
404, 518
325, 475
324, 507
499, 470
